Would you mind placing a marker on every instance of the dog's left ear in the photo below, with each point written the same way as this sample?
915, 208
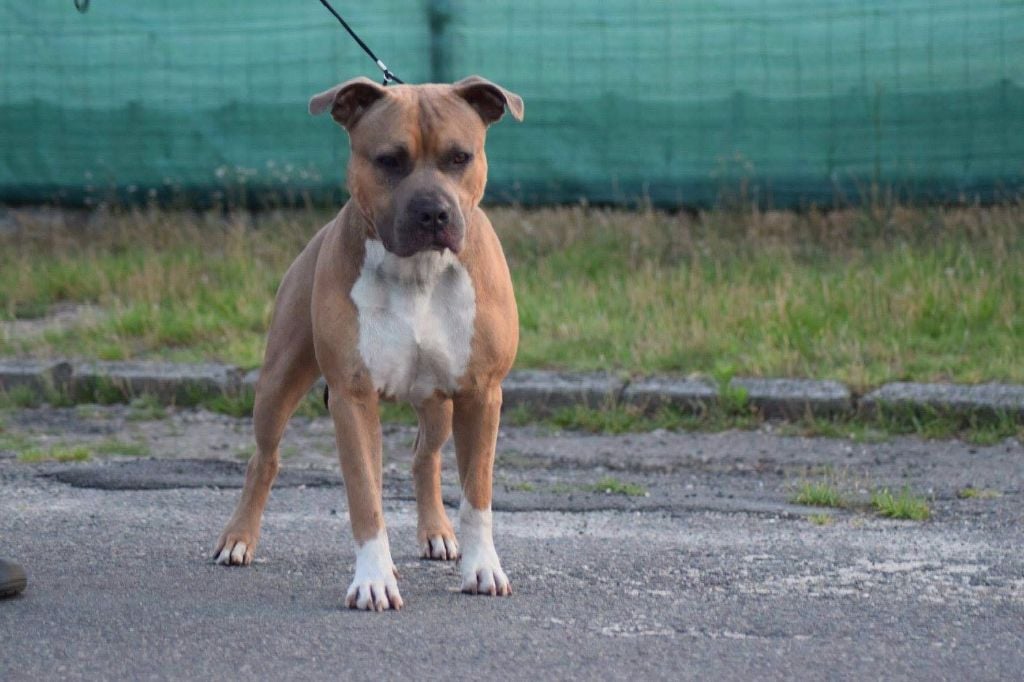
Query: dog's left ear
489, 99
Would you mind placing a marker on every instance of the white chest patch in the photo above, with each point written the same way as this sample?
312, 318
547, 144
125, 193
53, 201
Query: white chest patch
415, 321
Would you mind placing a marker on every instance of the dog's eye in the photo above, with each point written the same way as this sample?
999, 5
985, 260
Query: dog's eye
461, 158
388, 161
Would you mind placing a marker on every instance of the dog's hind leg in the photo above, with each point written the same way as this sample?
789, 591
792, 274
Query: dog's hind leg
289, 369
434, 532
276, 400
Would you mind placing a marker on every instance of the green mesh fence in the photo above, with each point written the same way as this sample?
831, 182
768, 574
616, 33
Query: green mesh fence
783, 102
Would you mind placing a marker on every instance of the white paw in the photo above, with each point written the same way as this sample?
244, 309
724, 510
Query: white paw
439, 547
482, 574
374, 587
480, 567
235, 554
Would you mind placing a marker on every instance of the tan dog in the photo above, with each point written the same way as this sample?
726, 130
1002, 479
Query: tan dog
406, 295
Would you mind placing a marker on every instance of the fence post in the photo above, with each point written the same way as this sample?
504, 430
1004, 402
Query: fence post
440, 16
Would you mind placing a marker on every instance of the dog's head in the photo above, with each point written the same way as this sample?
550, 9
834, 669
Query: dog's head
417, 167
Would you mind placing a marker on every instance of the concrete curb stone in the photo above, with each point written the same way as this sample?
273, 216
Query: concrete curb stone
546, 391
538, 390
684, 394
38, 376
990, 399
178, 383
794, 398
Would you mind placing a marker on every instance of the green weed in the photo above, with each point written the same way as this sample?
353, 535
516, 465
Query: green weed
237, 405
971, 493
146, 407
821, 519
905, 505
56, 453
20, 396
819, 494
613, 486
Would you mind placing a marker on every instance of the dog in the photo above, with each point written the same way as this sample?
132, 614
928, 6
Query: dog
405, 295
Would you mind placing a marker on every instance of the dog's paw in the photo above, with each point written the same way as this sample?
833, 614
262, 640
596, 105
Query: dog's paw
481, 569
482, 574
375, 585
234, 549
374, 595
440, 547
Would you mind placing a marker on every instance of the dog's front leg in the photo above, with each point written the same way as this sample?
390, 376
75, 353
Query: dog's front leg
434, 531
357, 429
475, 424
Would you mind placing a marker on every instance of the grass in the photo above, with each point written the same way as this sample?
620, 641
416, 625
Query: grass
610, 485
145, 408
904, 505
971, 493
863, 296
821, 519
55, 453
731, 412
113, 446
20, 396
930, 425
617, 418
14, 442
828, 492
820, 494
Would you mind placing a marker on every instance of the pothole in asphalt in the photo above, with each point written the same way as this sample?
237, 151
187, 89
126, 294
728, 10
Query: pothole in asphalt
163, 474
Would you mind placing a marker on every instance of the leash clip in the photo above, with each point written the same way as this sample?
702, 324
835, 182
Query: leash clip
388, 76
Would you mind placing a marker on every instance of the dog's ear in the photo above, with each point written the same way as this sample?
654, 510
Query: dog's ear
347, 101
489, 100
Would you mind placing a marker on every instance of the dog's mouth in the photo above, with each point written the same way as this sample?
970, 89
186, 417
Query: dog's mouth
446, 239
439, 242
409, 242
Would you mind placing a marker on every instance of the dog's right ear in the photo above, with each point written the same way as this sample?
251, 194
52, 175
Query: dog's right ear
347, 101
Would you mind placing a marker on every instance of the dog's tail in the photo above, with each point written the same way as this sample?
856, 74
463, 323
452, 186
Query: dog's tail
327, 392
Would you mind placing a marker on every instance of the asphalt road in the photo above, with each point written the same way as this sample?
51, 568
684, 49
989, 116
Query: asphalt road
711, 573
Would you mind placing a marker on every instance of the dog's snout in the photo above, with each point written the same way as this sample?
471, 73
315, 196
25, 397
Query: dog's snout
430, 213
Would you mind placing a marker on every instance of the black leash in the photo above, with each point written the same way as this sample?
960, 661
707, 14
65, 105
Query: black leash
388, 76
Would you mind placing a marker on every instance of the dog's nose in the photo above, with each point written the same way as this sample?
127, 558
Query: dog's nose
429, 213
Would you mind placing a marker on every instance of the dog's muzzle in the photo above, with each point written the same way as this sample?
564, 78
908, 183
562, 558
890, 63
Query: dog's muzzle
431, 221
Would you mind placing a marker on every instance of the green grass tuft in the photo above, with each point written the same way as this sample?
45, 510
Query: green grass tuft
56, 453
146, 407
613, 486
820, 494
970, 493
821, 519
20, 396
239, 405
905, 505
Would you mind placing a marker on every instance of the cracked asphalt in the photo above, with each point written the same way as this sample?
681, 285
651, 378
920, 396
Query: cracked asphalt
707, 570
